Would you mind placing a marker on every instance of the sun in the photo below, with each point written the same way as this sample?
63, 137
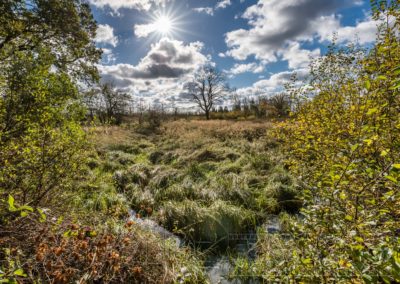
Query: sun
163, 25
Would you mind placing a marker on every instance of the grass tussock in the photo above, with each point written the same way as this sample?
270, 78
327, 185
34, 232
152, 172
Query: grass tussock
192, 171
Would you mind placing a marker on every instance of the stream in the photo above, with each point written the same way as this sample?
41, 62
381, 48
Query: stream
218, 265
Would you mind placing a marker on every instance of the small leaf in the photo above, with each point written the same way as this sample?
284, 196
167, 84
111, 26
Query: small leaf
393, 179
306, 260
371, 111
19, 272
26, 208
43, 216
367, 84
11, 206
396, 166
348, 218
354, 147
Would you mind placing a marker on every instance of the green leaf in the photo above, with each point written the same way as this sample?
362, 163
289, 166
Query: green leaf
348, 218
26, 208
20, 272
367, 84
397, 86
396, 166
306, 260
43, 216
354, 147
371, 111
11, 206
393, 179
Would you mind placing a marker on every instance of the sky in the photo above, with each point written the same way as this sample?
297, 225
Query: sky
151, 48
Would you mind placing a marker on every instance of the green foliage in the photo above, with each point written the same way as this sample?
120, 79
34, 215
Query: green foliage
344, 142
65, 28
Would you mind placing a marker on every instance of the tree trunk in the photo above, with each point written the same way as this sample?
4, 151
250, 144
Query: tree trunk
207, 114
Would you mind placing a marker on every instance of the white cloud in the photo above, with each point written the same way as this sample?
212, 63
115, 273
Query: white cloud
105, 34
277, 29
272, 85
223, 4
142, 5
297, 57
364, 31
159, 76
244, 68
108, 56
210, 10
206, 10
143, 30
166, 59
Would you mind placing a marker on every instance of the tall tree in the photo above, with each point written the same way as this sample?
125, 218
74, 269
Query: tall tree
46, 48
114, 103
65, 27
207, 88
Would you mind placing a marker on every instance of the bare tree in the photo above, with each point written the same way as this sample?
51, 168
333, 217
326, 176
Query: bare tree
108, 103
280, 102
207, 88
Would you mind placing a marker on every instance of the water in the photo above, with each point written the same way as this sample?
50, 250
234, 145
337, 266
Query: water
155, 228
218, 266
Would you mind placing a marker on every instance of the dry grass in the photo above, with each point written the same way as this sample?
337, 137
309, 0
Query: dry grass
105, 136
200, 129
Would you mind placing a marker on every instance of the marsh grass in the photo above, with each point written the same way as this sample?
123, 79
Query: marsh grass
202, 180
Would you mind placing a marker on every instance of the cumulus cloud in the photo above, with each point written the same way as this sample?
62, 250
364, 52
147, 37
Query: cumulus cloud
161, 73
272, 85
105, 34
277, 27
141, 5
244, 68
166, 59
108, 56
364, 31
143, 30
206, 10
223, 4
297, 57
210, 10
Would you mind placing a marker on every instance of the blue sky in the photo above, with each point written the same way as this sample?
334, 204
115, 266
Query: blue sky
152, 47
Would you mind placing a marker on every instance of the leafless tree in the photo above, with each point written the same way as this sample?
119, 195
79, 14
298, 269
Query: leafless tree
115, 102
207, 88
280, 102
